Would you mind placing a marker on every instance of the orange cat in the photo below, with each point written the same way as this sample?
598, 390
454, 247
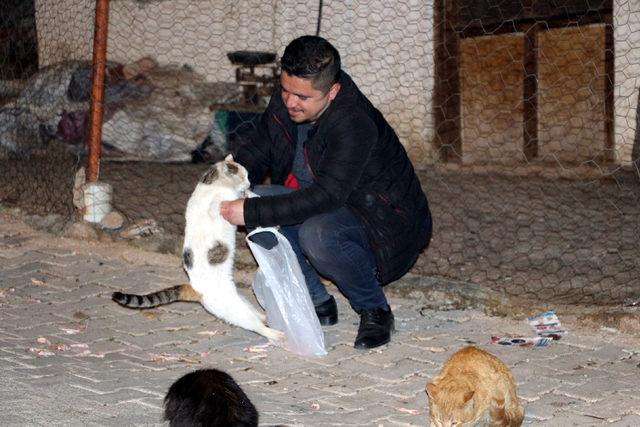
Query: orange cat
474, 388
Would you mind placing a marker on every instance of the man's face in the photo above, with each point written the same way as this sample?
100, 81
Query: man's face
304, 102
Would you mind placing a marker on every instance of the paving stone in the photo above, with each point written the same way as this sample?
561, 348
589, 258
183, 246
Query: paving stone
613, 408
569, 418
548, 404
18, 258
626, 421
579, 377
531, 389
397, 372
593, 389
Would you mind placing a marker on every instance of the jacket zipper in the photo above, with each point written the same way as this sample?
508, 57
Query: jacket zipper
284, 128
306, 160
289, 138
392, 206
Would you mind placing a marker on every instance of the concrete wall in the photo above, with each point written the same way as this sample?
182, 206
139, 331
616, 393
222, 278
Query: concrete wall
387, 48
65, 30
197, 33
627, 79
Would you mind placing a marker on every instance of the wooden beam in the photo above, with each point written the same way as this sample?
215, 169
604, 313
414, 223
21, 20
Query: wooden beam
609, 80
447, 83
477, 28
530, 93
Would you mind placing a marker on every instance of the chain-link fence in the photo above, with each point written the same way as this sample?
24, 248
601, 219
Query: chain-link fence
522, 118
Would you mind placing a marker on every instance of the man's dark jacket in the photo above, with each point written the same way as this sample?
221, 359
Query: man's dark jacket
356, 161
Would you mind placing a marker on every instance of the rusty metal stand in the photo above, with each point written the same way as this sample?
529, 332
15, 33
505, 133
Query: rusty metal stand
97, 89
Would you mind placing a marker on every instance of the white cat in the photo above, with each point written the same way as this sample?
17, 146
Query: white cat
208, 255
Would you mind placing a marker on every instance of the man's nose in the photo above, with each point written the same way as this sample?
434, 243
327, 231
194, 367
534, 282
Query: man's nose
289, 100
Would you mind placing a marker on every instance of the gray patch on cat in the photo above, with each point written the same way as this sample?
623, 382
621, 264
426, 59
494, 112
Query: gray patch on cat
210, 176
233, 169
187, 258
218, 253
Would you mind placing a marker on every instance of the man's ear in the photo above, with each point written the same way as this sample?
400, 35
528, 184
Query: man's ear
333, 92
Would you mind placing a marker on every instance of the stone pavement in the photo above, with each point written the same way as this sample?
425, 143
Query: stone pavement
70, 356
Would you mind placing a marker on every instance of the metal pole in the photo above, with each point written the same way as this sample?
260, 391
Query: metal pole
97, 88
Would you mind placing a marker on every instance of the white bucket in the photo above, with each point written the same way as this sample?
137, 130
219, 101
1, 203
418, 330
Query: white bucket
97, 201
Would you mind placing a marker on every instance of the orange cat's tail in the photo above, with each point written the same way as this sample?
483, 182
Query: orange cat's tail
502, 416
165, 296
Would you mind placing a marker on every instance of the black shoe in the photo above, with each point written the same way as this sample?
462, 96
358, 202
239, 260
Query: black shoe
327, 312
375, 328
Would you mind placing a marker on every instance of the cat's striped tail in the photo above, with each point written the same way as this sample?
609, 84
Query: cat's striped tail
165, 296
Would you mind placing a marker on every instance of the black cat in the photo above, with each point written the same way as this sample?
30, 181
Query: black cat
208, 397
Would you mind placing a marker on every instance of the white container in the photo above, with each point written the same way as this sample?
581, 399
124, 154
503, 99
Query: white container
97, 201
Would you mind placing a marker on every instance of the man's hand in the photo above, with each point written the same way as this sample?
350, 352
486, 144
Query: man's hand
233, 211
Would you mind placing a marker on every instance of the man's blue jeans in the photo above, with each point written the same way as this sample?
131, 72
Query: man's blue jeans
335, 245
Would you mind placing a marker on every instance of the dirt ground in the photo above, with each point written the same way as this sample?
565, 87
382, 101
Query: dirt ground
551, 240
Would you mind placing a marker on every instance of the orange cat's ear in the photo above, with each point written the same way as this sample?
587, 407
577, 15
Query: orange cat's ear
431, 390
468, 395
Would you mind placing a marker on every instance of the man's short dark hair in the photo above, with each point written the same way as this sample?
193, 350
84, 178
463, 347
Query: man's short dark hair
314, 58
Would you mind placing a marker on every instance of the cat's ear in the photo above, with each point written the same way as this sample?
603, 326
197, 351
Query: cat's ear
467, 399
431, 390
229, 158
230, 169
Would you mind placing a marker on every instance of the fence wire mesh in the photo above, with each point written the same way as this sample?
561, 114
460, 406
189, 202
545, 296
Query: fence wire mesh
521, 117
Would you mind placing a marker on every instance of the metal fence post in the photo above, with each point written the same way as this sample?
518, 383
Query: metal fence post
97, 88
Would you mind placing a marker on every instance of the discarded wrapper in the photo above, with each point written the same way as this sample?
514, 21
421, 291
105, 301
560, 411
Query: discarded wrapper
546, 325
523, 342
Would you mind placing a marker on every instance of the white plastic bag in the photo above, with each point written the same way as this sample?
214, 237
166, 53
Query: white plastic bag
281, 290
